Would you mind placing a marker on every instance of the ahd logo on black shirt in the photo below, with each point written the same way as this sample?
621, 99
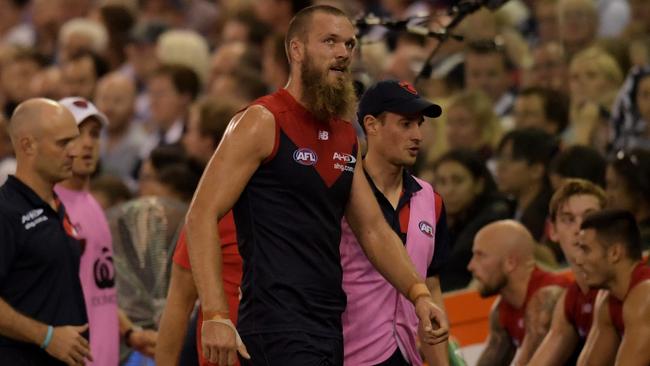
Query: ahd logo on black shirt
103, 270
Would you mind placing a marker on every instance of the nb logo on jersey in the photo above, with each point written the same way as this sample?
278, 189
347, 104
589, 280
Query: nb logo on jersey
346, 158
305, 156
323, 135
426, 228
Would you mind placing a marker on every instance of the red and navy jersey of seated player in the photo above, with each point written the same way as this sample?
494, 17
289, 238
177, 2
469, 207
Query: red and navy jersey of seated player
579, 309
512, 318
288, 221
640, 273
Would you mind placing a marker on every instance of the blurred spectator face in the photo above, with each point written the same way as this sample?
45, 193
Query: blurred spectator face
10, 15
578, 24
487, 72
462, 129
47, 15
529, 112
79, 78
149, 183
16, 77
227, 85
271, 11
115, 98
547, 22
225, 60
457, 186
47, 83
405, 62
587, 83
234, 31
73, 44
143, 58
618, 194
549, 68
196, 144
640, 11
85, 162
513, 175
643, 100
166, 104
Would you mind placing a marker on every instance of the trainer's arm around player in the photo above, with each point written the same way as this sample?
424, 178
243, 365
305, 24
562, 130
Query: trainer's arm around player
560, 341
603, 340
248, 140
386, 252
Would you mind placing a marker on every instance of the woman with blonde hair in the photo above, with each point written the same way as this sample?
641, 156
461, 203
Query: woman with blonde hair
594, 79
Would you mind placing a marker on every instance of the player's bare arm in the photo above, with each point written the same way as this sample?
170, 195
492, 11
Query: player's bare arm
181, 298
559, 342
603, 340
386, 252
499, 350
635, 344
539, 314
248, 140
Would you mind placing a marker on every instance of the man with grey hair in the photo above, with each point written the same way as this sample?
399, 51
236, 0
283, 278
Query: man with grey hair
41, 301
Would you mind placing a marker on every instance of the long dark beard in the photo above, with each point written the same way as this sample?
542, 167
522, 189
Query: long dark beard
323, 99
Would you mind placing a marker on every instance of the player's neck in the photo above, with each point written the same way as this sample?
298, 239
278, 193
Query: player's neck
77, 183
620, 284
387, 177
515, 292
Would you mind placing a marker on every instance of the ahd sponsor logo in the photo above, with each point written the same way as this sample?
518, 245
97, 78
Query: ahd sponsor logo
346, 158
426, 228
305, 156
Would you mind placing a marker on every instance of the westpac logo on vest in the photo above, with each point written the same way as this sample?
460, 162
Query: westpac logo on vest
305, 156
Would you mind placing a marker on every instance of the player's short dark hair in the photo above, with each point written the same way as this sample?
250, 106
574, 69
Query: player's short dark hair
615, 226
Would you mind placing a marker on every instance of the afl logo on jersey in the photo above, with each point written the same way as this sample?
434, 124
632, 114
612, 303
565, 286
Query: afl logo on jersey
305, 156
426, 228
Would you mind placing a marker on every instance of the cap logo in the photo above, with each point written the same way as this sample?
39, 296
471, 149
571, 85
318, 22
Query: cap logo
408, 87
80, 103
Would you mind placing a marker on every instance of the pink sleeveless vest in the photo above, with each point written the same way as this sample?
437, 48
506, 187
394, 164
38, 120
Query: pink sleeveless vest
378, 319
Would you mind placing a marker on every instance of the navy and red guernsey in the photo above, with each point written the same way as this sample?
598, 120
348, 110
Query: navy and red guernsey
640, 273
579, 309
288, 221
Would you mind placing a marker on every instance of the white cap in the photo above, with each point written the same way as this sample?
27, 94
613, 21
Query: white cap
82, 109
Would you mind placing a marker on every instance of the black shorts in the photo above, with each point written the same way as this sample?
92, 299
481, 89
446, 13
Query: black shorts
292, 349
27, 356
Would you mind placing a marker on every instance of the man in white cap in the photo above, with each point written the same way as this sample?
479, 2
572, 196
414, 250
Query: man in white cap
96, 271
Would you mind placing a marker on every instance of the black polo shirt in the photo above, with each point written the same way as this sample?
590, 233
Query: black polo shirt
39, 261
398, 219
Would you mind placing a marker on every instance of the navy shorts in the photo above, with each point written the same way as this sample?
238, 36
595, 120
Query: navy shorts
292, 349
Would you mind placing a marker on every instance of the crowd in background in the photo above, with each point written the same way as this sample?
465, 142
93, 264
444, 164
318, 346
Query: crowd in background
536, 92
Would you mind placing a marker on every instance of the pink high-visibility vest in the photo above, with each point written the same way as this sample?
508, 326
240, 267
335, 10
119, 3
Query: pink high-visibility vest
378, 319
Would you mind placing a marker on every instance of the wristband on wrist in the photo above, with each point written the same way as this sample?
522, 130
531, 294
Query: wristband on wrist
418, 290
216, 315
48, 337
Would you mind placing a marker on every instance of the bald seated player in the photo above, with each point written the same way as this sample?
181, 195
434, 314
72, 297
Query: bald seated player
609, 256
503, 263
573, 314
42, 311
